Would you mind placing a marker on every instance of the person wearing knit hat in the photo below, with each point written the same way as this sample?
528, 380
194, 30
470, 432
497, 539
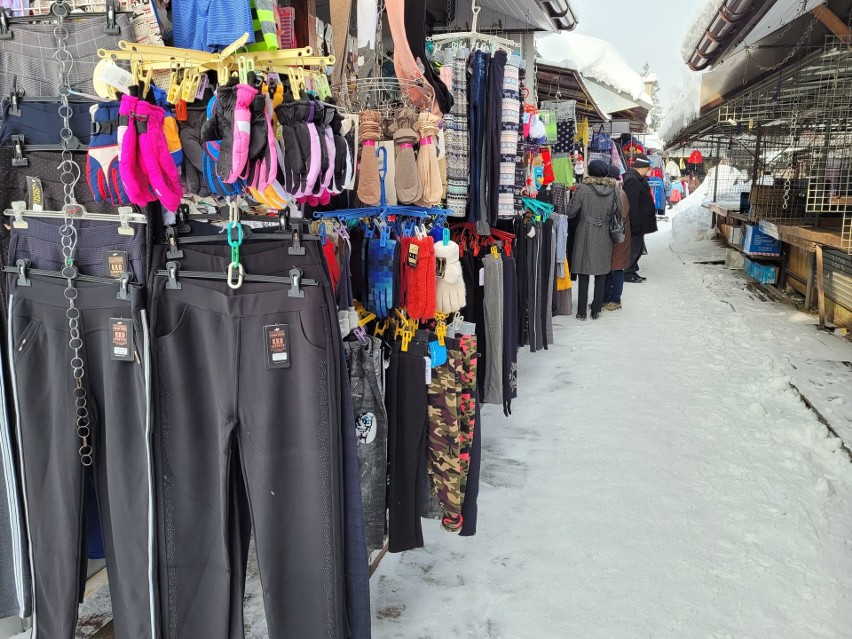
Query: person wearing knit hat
593, 204
643, 213
598, 169
641, 161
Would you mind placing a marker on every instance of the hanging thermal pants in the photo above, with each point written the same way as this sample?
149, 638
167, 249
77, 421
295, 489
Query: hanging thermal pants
228, 398
54, 478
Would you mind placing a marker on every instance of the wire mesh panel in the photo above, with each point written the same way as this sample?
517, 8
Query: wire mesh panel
830, 183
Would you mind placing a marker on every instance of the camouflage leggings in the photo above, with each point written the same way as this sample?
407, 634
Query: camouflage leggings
444, 444
450, 429
467, 403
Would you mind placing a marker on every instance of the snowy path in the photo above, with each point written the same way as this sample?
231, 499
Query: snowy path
650, 484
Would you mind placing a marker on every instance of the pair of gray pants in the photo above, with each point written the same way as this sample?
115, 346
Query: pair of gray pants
29, 57
53, 476
493, 393
226, 408
371, 428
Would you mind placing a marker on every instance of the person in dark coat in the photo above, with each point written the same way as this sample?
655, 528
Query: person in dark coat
643, 213
594, 203
620, 253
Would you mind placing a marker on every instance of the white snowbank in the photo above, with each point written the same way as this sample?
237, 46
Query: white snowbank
691, 222
594, 58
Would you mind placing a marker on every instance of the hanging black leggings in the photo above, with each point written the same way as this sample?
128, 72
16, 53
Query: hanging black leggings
53, 475
406, 404
225, 406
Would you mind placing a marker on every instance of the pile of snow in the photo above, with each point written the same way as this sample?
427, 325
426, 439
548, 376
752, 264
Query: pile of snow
593, 58
691, 221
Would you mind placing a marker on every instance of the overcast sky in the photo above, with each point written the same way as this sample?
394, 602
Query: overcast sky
651, 31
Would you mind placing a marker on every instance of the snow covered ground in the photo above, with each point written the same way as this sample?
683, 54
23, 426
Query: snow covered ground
659, 478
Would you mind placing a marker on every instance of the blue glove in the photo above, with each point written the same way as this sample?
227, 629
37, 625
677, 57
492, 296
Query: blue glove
102, 171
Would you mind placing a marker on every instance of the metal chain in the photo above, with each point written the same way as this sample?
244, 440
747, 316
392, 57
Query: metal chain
806, 36
69, 176
794, 123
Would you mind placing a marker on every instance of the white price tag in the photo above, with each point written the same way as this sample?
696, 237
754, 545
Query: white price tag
115, 76
482, 277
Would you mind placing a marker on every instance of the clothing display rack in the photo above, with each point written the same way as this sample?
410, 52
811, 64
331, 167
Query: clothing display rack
253, 292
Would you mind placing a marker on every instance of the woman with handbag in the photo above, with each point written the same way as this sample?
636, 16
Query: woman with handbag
597, 205
620, 253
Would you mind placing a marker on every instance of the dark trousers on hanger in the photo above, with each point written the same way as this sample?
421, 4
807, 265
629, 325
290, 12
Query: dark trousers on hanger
54, 479
478, 111
225, 406
493, 134
406, 404
583, 297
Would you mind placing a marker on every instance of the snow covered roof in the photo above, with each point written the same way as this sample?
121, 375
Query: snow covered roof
685, 110
608, 100
755, 20
596, 59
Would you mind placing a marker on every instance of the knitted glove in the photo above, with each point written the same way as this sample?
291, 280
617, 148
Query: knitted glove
132, 172
450, 288
159, 166
380, 274
102, 170
420, 280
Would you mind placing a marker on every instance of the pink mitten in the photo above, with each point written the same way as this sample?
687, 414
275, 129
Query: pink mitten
129, 158
158, 162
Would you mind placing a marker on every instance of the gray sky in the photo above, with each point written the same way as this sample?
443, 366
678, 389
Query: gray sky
651, 31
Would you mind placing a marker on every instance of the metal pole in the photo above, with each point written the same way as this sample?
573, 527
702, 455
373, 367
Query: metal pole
754, 176
718, 162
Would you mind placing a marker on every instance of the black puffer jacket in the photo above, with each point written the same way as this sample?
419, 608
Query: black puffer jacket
643, 213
